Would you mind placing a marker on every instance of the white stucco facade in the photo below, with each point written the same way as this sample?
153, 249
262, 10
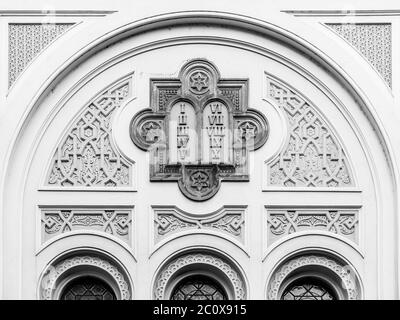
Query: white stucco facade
87, 110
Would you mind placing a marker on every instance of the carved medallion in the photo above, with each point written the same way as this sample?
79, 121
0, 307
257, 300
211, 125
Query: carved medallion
199, 130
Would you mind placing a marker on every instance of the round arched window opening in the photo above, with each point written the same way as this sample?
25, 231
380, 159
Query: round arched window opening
309, 288
87, 288
198, 287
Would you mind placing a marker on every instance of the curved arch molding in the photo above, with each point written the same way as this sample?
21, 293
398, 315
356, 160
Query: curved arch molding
182, 261
54, 273
345, 273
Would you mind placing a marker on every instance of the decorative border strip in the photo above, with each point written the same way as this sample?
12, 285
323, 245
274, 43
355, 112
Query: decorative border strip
169, 220
286, 221
115, 221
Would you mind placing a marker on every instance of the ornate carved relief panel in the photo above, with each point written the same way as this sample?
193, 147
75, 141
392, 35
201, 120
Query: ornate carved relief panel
286, 221
26, 41
199, 130
113, 221
87, 156
169, 220
373, 41
312, 155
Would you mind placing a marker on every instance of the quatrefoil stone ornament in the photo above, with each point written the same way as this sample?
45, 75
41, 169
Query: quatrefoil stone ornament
199, 130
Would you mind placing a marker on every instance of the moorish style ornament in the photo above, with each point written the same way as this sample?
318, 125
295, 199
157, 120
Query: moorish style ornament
199, 130
343, 272
169, 220
87, 155
54, 273
312, 156
283, 222
113, 221
209, 261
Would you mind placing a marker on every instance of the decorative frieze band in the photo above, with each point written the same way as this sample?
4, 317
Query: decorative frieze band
170, 220
26, 41
283, 222
114, 221
373, 41
312, 155
87, 156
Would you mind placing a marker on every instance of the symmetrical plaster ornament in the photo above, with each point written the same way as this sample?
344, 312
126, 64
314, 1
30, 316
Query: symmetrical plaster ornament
312, 155
373, 41
54, 273
87, 156
345, 274
114, 221
170, 220
26, 41
199, 130
175, 265
282, 222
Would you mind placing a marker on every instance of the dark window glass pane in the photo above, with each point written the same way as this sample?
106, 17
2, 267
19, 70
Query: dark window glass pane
198, 288
88, 288
308, 289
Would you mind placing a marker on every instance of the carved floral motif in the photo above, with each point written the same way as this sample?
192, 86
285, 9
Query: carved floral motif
312, 156
87, 157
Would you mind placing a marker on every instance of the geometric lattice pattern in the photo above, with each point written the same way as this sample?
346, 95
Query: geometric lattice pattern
26, 41
312, 156
88, 288
307, 290
198, 288
373, 41
87, 156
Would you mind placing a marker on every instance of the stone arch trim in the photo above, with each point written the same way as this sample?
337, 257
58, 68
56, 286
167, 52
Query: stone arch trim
178, 263
345, 273
55, 272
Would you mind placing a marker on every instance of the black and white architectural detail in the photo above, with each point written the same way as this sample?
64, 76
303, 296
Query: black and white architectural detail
170, 220
59, 274
282, 222
209, 265
199, 130
87, 156
114, 221
337, 277
312, 156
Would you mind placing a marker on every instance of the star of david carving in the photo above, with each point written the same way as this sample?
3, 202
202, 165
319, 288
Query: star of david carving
199, 130
199, 180
199, 81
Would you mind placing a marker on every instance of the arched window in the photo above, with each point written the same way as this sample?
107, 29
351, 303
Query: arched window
308, 288
87, 288
198, 288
